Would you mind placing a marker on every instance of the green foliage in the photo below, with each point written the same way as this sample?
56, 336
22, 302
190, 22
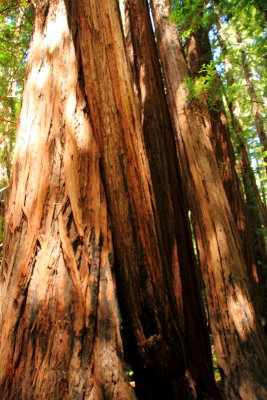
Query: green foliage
216, 370
15, 31
238, 35
189, 16
205, 84
243, 44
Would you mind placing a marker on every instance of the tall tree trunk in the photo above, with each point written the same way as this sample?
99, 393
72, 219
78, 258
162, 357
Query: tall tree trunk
59, 322
253, 197
144, 269
238, 335
257, 213
169, 198
199, 53
255, 207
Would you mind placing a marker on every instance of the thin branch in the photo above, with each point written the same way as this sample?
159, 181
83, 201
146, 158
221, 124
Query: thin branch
8, 120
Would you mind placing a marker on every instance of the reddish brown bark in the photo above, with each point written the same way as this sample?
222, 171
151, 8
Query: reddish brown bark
60, 328
144, 270
3, 196
170, 205
239, 340
255, 207
256, 210
253, 196
199, 53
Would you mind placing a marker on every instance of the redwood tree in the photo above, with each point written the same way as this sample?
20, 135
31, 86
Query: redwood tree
169, 197
85, 205
147, 250
255, 207
199, 56
60, 328
236, 325
80, 125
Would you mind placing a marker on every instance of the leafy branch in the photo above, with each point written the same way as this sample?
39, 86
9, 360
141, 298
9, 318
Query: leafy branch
204, 84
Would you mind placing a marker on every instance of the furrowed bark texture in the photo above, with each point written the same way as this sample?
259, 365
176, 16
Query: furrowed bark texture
59, 323
199, 53
170, 203
256, 210
144, 271
255, 207
239, 340
253, 198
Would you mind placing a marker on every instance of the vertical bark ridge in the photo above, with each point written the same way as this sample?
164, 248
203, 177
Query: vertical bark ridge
239, 340
255, 207
143, 271
199, 53
60, 328
170, 205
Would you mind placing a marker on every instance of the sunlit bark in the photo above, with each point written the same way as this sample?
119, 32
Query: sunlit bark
255, 206
170, 202
144, 271
199, 53
256, 210
62, 325
59, 322
239, 340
